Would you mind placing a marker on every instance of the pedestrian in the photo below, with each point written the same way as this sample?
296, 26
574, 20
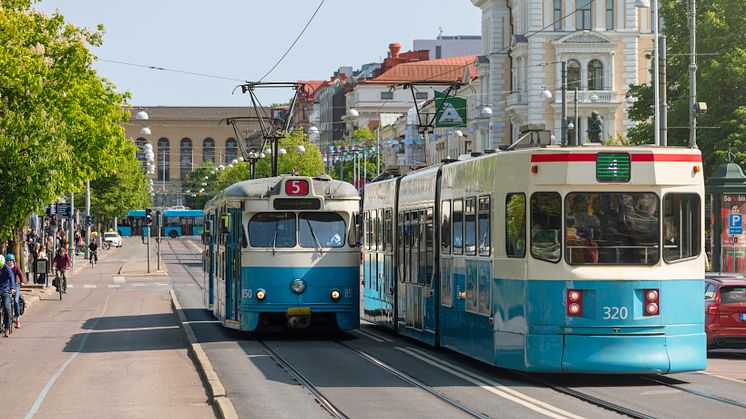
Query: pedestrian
7, 285
20, 279
61, 264
41, 254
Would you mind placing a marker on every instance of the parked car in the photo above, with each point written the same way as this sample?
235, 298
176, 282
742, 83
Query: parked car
113, 239
725, 310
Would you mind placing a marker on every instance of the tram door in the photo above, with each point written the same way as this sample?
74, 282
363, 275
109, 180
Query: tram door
233, 264
208, 242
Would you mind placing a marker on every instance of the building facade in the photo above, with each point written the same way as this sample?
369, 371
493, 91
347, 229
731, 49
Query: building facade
603, 44
185, 137
447, 46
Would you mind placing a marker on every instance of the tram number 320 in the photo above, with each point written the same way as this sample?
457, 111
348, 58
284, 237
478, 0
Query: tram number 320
615, 313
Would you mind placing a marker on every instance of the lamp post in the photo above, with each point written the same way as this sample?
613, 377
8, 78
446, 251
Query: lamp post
252, 158
646, 4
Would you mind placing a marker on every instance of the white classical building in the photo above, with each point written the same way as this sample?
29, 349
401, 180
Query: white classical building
603, 43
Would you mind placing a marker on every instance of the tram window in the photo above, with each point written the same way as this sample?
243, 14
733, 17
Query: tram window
470, 226
244, 241
366, 232
515, 225
681, 226
401, 246
272, 229
445, 227
458, 226
612, 228
485, 234
353, 238
546, 226
415, 250
422, 277
484, 282
379, 229
387, 229
324, 229
407, 247
429, 241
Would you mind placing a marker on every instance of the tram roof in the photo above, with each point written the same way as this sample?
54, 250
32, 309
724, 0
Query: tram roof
264, 187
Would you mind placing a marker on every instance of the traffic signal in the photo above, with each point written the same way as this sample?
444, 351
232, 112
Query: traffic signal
148, 216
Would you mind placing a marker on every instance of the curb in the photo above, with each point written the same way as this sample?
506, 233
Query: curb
218, 398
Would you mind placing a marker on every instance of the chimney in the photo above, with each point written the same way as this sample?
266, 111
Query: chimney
394, 50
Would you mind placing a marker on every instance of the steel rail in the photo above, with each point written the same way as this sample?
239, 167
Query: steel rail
661, 380
413, 381
302, 380
183, 266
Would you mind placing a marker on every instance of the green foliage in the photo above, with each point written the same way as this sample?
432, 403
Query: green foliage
348, 167
59, 121
125, 189
201, 178
721, 79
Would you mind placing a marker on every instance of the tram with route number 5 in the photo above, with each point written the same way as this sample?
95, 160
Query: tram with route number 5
584, 259
283, 252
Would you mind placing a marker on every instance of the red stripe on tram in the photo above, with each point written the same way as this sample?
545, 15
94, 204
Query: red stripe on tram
635, 157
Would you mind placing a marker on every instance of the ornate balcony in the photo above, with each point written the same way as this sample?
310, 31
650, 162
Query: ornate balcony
518, 98
589, 96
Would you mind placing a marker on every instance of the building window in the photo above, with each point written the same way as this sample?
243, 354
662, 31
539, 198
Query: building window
140, 153
208, 150
573, 75
583, 15
438, 51
185, 153
558, 15
609, 14
420, 95
595, 75
231, 149
163, 165
387, 95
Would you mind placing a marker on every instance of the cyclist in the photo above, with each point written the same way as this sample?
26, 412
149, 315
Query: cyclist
92, 249
20, 278
60, 264
7, 284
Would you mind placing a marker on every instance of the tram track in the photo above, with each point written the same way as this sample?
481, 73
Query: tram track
665, 381
325, 403
181, 263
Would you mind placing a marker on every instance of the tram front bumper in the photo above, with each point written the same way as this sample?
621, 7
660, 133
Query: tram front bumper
634, 354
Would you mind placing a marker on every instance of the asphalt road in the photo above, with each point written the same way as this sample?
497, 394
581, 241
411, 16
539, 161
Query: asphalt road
111, 348
259, 386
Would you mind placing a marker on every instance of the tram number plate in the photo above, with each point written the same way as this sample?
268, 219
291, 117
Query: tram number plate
615, 313
299, 311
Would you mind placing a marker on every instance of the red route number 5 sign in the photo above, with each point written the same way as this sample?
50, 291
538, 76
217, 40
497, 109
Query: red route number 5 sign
296, 187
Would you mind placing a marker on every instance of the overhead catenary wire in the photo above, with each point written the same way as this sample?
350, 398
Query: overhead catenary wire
171, 70
294, 42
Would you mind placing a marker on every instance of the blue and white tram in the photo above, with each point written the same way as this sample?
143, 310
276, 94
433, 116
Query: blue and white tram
578, 259
283, 251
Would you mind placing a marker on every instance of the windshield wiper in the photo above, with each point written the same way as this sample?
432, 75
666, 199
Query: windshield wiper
316, 240
274, 238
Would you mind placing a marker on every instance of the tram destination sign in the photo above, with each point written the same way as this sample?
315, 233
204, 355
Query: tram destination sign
613, 167
289, 204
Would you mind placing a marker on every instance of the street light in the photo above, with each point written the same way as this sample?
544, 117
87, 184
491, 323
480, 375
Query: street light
145, 131
299, 148
546, 93
252, 158
645, 4
141, 115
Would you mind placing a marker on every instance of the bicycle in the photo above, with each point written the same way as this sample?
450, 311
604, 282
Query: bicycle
12, 317
60, 281
105, 245
93, 259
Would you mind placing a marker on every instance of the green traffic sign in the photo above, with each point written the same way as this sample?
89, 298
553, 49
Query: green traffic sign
453, 112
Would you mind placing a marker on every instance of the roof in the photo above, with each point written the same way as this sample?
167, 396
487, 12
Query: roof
311, 87
436, 71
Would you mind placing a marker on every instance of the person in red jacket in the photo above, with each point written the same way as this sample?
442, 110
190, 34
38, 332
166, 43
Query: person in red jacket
20, 278
61, 263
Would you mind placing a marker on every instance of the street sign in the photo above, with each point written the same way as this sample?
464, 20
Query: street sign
452, 113
64, 210
735, 224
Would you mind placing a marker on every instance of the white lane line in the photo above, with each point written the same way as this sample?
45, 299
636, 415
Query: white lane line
735, 380
114, 286
378, 335
493, 386
119, 279
160, 284
137, 285
71, 285
56, 376
361, 333
89, 286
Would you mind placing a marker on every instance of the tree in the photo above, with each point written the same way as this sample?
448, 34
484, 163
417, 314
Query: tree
307, 163
200, 185
59, 121
125, 189
721, 79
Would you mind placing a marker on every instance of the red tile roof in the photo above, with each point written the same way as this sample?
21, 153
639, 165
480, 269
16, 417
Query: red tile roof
436, 71
310, 88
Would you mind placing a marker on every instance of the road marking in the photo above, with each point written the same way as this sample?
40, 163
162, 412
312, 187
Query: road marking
118, 279
361, 333
160, 284
492, 386
138, 285
378, 335
56, 376
89, 286
114, 286
735, 380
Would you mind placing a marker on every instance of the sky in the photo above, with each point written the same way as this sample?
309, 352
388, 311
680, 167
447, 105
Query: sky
242, 40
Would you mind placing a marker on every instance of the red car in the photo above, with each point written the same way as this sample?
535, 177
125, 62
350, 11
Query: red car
725, 310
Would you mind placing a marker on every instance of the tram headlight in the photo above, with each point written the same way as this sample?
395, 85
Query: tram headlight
298, 286
335, 294
260, 294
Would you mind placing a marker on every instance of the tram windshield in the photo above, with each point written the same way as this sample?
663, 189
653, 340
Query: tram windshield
272, 229
321, 229
612, 228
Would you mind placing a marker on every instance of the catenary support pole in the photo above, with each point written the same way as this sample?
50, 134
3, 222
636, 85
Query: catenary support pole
564, 103
663, 91
692, 73
71, 231
656, 90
